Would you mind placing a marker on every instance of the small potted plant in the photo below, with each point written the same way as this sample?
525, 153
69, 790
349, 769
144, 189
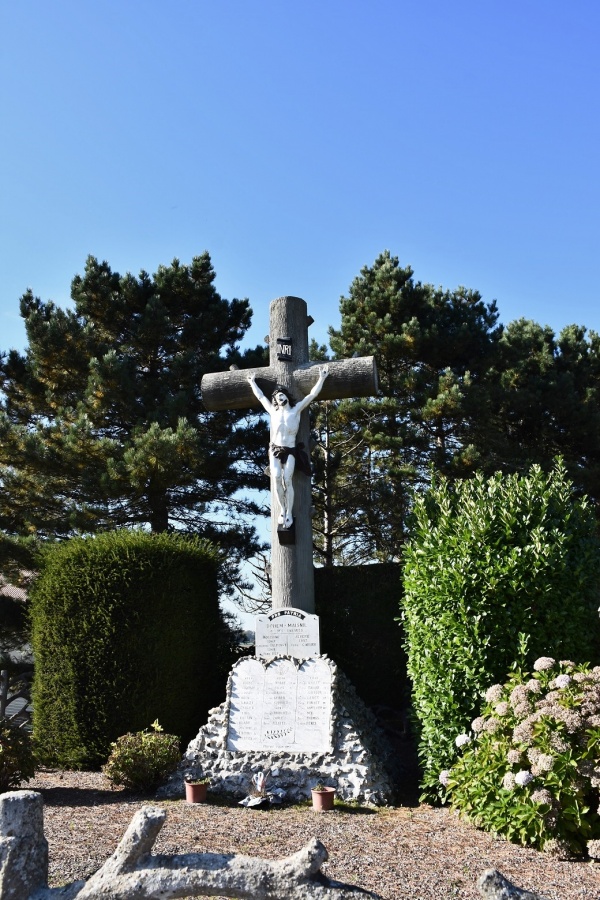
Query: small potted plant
195, 788
322, 797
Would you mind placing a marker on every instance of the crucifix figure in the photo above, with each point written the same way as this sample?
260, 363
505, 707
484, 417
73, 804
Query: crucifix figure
291, 375
284, 452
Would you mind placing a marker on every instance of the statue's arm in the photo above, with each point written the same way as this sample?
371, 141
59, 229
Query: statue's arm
258, 393
316, 390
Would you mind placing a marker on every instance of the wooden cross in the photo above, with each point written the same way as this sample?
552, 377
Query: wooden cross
292, 572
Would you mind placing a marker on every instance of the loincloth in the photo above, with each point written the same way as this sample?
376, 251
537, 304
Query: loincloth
298, 452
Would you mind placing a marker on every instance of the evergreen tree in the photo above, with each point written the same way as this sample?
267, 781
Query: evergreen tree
433, 348
543, 398
101, 418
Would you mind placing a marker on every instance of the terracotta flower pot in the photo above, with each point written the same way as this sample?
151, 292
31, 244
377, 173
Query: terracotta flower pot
195, 793
323, 800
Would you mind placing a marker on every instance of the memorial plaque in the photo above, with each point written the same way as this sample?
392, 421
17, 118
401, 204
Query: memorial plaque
280, 706
287, 632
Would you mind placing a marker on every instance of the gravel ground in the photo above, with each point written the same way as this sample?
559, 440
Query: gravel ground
411, 851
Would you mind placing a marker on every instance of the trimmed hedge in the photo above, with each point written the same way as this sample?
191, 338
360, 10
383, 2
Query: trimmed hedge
358, 609
499, 571
126, 629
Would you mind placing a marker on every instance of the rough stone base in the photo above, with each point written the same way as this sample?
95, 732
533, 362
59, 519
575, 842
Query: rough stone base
360, 764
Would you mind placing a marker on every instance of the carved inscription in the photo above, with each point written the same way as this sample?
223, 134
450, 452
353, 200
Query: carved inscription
279, 706
287, 632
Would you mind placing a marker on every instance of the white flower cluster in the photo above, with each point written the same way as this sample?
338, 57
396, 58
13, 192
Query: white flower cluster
444, 777
462, 740
561, 681
523, 778
494, 693
508, 782
543, 663
593, 849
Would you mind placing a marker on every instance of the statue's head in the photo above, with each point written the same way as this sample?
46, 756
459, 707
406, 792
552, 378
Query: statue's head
281, 397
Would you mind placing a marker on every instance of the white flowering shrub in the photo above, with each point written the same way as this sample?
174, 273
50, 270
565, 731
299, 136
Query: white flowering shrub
498, 571
532, 770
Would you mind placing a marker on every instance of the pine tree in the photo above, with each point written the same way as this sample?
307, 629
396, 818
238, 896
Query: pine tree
433, 348
101, 418
544, 401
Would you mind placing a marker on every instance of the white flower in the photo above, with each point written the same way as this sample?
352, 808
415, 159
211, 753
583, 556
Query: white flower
508, 782
444, 777
502, 709
593, 849
544, 662
545, 762
462, 740
494, 693
493, 725
542, 796
561, 681
478, 724
523, 777
514, 757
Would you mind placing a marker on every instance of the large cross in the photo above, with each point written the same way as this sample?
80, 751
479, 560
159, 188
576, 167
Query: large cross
292, 572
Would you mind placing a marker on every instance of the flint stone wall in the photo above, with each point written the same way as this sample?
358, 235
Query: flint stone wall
359, 762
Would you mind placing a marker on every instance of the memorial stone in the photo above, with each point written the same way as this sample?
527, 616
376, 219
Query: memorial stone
287, 632
280, 706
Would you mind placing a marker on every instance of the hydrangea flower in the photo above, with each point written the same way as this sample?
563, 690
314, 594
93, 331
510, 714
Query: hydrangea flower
542, 796
561, 681
543, 763
593, 849
494, 693
462, 740
543, 663
523, 777
478, 724
492, 725
444, 777
508, 782
502, 709
519, 693
514, 757
534, 685
523, 733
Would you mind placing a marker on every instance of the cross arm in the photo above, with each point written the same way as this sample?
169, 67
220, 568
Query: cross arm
355, 377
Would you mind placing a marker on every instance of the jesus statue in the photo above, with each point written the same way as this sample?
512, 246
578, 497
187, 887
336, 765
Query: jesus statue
284, 453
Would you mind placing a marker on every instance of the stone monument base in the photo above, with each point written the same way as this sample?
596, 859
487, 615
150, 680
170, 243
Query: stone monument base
357, 761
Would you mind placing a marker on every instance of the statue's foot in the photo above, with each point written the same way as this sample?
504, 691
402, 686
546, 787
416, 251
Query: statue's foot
288, 521
280, 519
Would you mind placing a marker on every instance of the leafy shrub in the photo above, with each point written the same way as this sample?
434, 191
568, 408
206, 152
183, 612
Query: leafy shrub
117, 620
531, 769
142, 760
489, 560
16, 756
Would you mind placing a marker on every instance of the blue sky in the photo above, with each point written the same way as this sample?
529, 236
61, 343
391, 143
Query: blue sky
295, 142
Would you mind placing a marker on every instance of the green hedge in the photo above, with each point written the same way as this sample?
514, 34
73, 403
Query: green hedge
126, 629
358, 606
499, 571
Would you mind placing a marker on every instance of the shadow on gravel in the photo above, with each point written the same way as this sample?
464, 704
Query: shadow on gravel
72, 796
